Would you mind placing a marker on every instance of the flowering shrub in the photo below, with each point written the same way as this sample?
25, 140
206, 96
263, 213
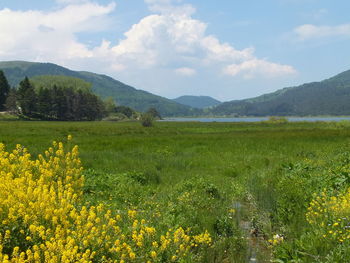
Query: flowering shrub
331, 215
43, 219
316, 195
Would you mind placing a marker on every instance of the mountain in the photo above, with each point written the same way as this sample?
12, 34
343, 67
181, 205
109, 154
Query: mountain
102, 85
199, 102
327, 97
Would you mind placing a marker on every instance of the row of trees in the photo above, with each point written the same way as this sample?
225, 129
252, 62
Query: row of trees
56, 99
4, 90
54, 103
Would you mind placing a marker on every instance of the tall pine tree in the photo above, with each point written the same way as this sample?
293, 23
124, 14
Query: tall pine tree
4, 90
27, 98
44, 105
11, 101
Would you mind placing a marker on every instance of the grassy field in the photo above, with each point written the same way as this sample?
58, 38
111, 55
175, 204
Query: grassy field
243, 182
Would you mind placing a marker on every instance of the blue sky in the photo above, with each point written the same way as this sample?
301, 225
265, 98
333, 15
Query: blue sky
226, 49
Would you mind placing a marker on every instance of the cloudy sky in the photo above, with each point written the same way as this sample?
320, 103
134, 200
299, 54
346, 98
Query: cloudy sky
228, 49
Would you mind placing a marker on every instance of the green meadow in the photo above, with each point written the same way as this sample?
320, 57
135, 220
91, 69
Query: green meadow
249, 184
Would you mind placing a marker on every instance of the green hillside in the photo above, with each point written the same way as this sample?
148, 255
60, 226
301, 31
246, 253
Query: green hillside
102, 85
328, 97
199, 102
48, 81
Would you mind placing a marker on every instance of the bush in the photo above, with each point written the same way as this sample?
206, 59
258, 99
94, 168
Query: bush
147, 120
116, 117
154, 113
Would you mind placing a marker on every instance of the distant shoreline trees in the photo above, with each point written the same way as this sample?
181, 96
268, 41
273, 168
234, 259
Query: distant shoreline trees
57, 102
62, 98
4, 90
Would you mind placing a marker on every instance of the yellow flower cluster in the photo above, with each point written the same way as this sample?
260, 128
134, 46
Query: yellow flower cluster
276, 239
43, 219
331, 215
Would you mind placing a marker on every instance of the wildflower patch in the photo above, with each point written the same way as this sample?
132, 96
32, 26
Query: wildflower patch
43, 218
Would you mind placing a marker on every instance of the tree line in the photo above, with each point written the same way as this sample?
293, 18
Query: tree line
54, 103
61, 98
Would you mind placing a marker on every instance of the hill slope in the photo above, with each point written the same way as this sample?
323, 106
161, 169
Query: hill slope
102, 85
199, 102
49, 81
328, 97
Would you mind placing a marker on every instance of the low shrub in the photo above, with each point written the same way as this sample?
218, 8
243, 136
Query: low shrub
147, 120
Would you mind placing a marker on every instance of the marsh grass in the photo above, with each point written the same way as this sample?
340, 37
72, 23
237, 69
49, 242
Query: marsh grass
190, 174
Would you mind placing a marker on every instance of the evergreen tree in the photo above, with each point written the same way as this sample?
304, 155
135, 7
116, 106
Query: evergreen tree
44, 103
58, 103
27, 98
71, 103
62, 104
11, 101
54, 102
4, 90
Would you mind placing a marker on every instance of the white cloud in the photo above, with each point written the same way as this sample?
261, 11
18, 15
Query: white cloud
309, 31
160, 40
217, 51
185, 71
171, 38
49, 36
263, 68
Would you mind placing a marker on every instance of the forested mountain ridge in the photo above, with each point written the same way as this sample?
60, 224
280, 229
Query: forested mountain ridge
200, 102
102, 85
327, 97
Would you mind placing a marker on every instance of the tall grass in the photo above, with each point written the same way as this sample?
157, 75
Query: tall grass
192, 174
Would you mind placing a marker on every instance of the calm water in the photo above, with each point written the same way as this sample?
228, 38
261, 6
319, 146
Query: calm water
256, 119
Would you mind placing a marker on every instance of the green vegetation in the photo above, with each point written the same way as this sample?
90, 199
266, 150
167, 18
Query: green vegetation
28, 99
102, 86
50, 81
199, 102
147, 120
62, 98
5, 116
154, 113
276, 120
56, 98
4, 90
328, 97
249, 184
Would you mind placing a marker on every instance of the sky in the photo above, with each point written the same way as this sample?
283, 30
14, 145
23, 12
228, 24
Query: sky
227, 49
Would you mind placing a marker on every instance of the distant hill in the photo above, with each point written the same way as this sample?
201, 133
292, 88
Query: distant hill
102, 85
49, 81
327, 97
199, 102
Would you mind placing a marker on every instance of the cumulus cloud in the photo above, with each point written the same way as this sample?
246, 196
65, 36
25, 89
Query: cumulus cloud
172, 36
170, 39
309, 31
185, 71
49, 36
255, 66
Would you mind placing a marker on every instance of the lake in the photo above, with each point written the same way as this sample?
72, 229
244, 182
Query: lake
255, 119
